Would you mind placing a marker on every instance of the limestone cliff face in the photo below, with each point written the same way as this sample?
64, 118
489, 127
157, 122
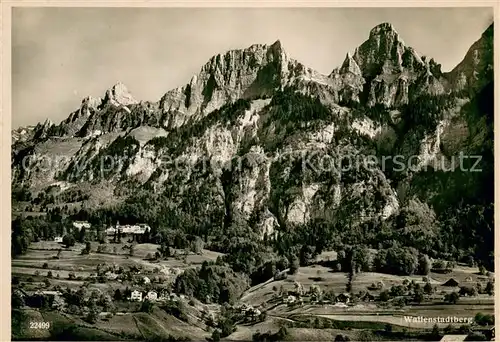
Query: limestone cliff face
349, 80
244, 108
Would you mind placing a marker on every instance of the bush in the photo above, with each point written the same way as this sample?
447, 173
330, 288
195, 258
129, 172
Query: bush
451, 298
484, 320
341, 338
294, 265
216, 335
147, 306
476, 336
68, 240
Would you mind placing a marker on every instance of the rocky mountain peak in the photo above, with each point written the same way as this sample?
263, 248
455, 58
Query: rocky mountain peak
350, 66
41, 130
89, 103
277, 47
384, 49
119, 95
239, 73
383, 29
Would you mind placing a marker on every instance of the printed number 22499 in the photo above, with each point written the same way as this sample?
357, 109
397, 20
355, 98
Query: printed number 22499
39, 325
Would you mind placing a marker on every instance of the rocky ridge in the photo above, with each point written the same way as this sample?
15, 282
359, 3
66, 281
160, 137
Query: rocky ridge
261, 106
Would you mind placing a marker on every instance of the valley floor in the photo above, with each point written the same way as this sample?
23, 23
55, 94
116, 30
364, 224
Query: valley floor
303, 321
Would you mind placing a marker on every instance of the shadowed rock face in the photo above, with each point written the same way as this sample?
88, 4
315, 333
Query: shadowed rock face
393, 70
383, 52
474, 71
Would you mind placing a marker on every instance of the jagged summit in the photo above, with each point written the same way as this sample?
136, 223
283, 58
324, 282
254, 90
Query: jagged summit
238, 73
254, 52
277, 45
350, 65
382, 70
383, 48
118, 94
383, 28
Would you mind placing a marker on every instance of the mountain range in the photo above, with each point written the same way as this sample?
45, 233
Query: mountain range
265, 124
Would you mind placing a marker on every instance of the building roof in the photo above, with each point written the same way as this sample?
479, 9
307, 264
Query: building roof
451, 282
453, 338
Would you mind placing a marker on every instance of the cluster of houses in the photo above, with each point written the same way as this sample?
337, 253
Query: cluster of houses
128, 229
124, 230
153, 296
343, 298
249, 311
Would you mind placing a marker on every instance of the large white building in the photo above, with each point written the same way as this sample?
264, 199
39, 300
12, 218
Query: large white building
81, 224
128, 229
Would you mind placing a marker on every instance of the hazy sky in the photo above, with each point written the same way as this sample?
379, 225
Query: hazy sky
60, 55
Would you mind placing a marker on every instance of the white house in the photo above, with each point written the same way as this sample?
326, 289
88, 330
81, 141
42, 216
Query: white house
58, 239
256, 313
152, 295
146, 280
111, 275
163, 295
110, 231
81, 224
136, 295
291, 299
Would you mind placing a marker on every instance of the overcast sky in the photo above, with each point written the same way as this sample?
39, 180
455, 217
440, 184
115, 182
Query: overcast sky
60, 55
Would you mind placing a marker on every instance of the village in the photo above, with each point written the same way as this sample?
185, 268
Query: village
122, 276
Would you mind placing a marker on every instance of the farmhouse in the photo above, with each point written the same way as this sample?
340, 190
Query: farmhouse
136, 296
163, 295
58, 239
343, 298
111, 276
280, 275
152, 295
